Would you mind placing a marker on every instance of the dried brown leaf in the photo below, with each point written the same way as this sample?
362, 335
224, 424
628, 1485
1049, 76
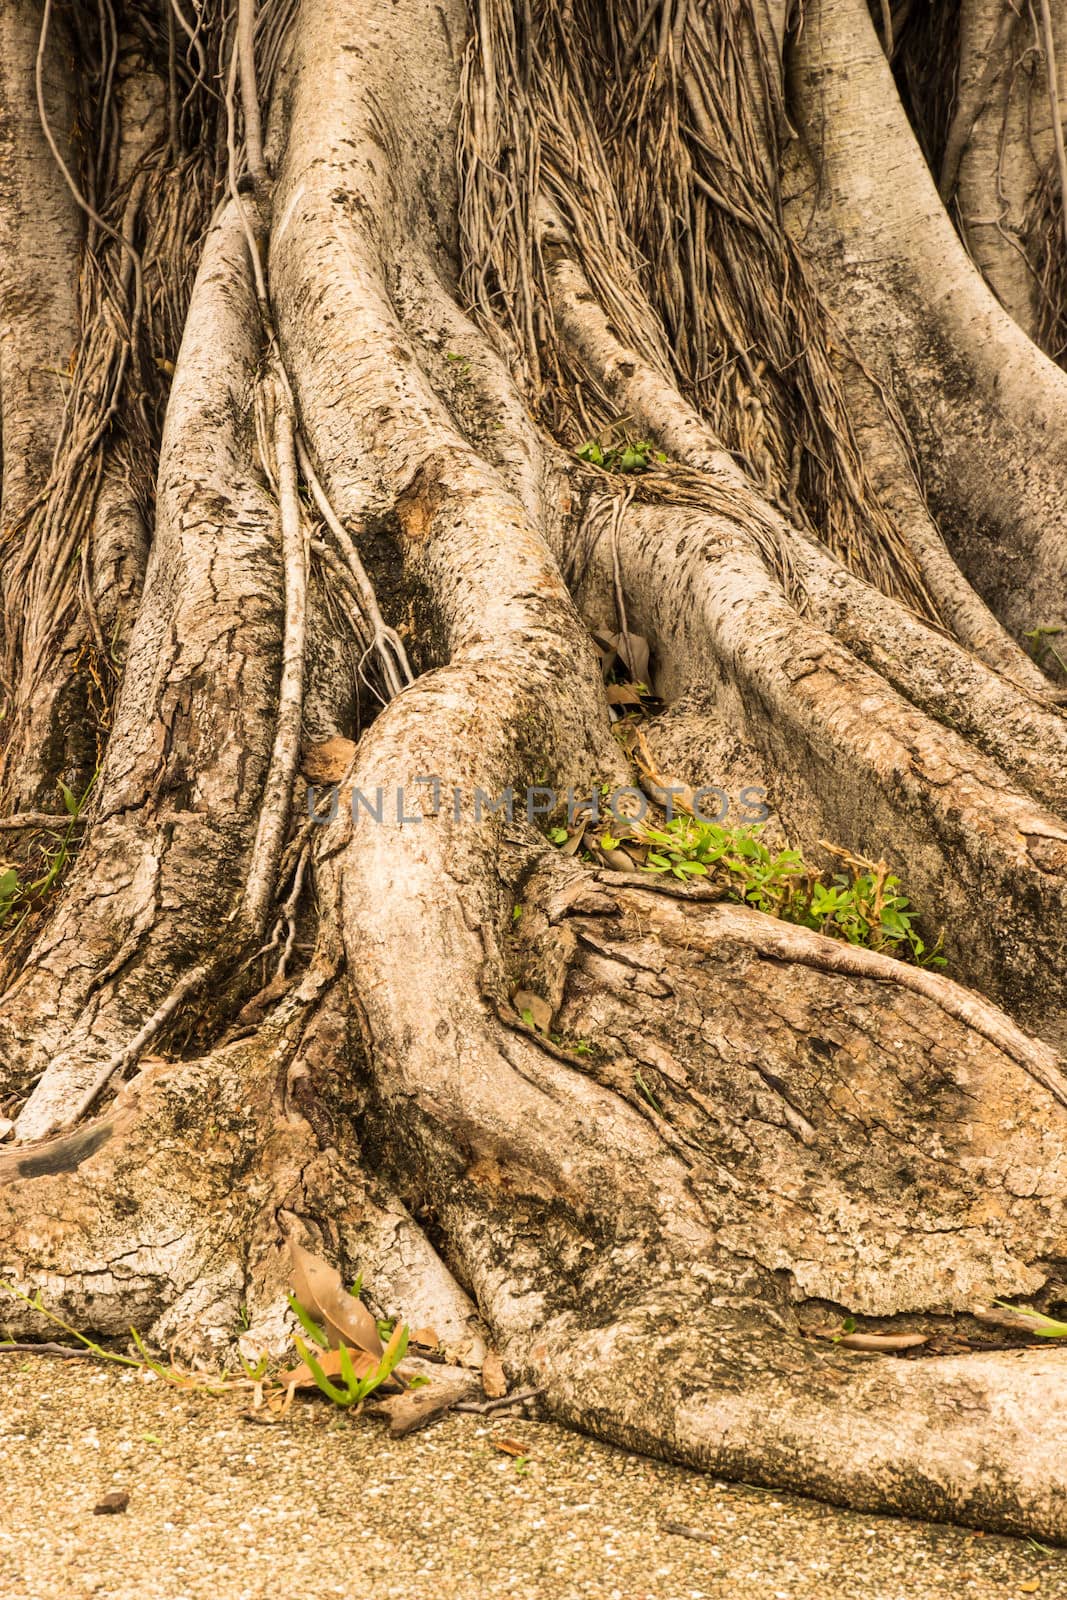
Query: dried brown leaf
349, 1322
302, 1377
882, 1341
320, 1291
494, 1381
417, 1408
633, 649
623, 694
539, 1009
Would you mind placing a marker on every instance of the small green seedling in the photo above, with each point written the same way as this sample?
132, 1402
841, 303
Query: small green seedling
626, 456
309, 1325
353, 1389
1042, 650
1038, 1324
36, 1303
19, 894
642, 1087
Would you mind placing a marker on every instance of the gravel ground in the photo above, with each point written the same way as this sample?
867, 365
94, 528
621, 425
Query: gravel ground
221, 1509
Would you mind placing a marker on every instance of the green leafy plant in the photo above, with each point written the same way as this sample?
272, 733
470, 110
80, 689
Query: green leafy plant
628, 455
577, 1046
357, 1382
1041, 648
19, 893
359, 1371
861, 904
9, 889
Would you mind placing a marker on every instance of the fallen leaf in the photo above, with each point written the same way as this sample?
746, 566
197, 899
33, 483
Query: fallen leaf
623, 694
635, 652
607, 649
310, 1274
416, 1408
619, 860
1031, 1587
882, 1341
540, 1011
320, 1291
870, 1341
494, 1383
302, 1377
511, 1447
114, 1502
425, 1338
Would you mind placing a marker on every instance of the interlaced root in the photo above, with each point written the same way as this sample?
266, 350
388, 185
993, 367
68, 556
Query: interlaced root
652, 134
285, 460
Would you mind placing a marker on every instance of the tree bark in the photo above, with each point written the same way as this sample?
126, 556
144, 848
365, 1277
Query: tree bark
426, 280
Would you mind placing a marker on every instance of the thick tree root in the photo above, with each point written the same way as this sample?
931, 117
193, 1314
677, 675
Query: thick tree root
171, 1212
960, 831
972, 1439
985, 405
184, 772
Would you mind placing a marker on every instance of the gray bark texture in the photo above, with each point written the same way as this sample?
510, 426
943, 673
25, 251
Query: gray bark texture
307, 311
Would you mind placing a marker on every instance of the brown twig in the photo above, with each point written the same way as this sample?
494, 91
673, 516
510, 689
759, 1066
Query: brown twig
482, 1408
67, 1351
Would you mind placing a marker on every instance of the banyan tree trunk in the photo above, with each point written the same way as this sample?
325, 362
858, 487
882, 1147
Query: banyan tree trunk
305, 310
